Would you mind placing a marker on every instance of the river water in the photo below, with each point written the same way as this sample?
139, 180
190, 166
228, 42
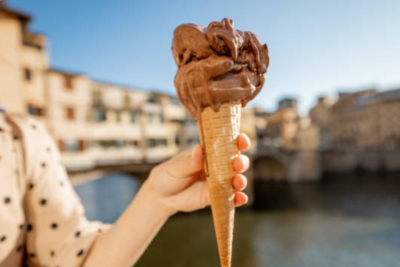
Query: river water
343, 221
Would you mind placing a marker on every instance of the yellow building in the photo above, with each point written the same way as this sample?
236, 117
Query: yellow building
365, 132
320, 116
23, 64
389, 119
261, 122
68, 104
320, 113
163, 119
366, 120
114, 117
93, 123
283, 125
307, 136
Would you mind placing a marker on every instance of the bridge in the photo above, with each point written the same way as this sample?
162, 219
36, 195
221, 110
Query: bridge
278, 164
267, 163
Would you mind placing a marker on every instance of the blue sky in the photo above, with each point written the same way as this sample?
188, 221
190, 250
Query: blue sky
316, 47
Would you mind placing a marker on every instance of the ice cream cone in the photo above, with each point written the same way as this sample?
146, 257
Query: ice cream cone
220, 69
218, 134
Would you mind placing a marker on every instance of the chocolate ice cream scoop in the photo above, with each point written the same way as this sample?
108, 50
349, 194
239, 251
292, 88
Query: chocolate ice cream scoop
217, 64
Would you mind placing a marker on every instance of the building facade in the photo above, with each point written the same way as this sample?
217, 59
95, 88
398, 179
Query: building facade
367, 120
93, 123
283, 125
320, 116
23, 63
364, 131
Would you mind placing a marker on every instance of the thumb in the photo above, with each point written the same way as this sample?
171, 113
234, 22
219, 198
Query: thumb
186, 163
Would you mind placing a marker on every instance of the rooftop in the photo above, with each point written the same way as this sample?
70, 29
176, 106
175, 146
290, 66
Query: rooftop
23, 17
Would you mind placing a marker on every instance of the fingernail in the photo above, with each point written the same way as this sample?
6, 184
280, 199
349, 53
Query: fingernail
196, 151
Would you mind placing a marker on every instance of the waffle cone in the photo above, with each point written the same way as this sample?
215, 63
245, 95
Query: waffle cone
218, 133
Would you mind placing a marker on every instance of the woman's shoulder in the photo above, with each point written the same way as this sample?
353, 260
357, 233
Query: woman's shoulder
8, 120
31, 132
20, 120
21, 123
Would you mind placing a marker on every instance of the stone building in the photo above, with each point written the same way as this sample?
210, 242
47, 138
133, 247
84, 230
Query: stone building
390, 119
283, 125
68, 104
367, 120
23, 65
261, 123
320, 116
365, 131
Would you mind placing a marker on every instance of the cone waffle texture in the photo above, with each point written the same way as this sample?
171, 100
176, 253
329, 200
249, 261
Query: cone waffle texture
219, 137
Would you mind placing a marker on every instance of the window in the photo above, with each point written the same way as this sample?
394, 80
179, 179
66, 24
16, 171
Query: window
162, 142
134, 143
105, 143
36, 111
71, 145
127, 100
133, 116
27, 74
95, 143
96, 94
150, 117
61, 145
70, 113
152, 99
151, 143
118, 116
68, 82
112, 143
120, 143
99, 115
82, 145
156, 142
174, 101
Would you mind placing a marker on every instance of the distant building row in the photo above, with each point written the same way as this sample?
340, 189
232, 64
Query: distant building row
364, 120
367, 120
97, 123
361, 131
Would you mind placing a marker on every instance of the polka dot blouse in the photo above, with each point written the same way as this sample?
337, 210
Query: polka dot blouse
42, 221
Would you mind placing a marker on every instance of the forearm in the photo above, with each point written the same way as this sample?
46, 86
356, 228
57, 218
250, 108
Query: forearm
126, 241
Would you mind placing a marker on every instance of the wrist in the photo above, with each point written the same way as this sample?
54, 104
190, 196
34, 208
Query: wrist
159, 203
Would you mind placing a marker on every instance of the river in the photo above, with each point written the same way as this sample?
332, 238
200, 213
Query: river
343, 221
